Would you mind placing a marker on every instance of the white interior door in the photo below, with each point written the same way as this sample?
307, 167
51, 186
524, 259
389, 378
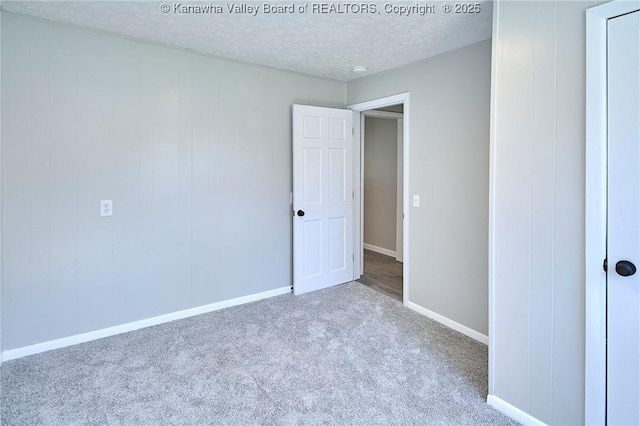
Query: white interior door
623, 224
322, 197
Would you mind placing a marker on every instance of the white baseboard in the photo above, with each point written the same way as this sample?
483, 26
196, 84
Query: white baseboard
136, 325
449, 323
380, 250
513, 412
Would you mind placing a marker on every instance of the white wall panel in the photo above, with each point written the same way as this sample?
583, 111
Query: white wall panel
543, 180
569, 299
16, 199
39, 148
63, 212
195, 153
538, 147
515, 224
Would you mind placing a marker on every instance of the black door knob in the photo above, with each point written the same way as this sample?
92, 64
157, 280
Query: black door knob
300, 213
625, 268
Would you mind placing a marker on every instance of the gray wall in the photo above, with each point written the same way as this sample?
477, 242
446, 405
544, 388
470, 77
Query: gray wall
195, 153
380, 182
449, 169
539, 155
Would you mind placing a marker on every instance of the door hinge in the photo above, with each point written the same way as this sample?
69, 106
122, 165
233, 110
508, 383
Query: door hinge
604, 264
353, 195
353, 130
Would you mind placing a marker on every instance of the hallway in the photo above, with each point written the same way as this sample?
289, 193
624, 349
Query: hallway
382, 273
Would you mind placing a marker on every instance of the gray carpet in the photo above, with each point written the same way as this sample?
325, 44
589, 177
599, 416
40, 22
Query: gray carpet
345, 355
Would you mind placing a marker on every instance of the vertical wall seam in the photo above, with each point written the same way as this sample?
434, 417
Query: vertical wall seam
179, 144
29, 165
553, 248
531, 207
76, 198
139, 143
152, 131
191, 66
113, 221
49, 180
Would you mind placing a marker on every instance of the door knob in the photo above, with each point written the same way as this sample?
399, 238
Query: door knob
625, 268
300, 213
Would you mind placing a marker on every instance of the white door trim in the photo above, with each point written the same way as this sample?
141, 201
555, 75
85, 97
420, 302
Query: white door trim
399, 185
496, 77
596, 205
1, 207
383, 114
360, 108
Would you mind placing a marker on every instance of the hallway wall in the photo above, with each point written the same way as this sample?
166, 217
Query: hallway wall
380, 182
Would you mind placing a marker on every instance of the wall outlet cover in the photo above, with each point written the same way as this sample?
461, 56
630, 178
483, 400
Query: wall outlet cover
106, 207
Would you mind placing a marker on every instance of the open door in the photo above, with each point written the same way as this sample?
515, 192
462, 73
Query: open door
322, 197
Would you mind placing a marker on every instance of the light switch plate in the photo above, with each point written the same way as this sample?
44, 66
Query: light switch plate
106, 207
416, 201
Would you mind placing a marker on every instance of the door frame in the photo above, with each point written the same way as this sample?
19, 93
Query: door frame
596, 206
399, 188
358, 173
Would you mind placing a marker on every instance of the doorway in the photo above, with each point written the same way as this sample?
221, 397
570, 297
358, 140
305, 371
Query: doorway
327, 197
384, 270
382, 200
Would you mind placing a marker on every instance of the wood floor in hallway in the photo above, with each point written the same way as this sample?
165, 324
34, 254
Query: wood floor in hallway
382, 273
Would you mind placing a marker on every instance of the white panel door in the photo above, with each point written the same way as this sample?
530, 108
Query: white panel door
623, 225
322, 197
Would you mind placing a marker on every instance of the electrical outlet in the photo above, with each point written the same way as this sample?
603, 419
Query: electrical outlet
416, 201
106, 208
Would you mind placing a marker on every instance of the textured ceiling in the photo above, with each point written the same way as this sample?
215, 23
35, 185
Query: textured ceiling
325, 43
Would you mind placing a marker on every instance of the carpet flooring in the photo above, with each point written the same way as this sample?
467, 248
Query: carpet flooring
346, 355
